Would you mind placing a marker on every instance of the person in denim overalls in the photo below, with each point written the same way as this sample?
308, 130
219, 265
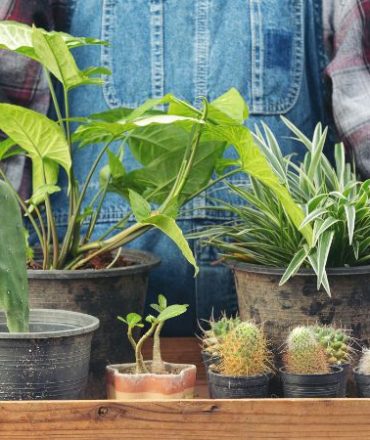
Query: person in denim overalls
270, 50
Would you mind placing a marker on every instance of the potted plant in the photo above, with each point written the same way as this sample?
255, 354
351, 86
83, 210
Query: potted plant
177, 152
213, 335
283, 277
338, 345
45, 354
306, 371
245, 367
362, 374
153, 379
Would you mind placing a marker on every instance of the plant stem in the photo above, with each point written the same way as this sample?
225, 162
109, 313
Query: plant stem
140, 366
157, 363
72, 221
54, 99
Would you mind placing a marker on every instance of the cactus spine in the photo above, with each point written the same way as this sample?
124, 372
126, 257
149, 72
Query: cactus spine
364, 364
217, 331
244, 352
304, 354
13, 273
336, 343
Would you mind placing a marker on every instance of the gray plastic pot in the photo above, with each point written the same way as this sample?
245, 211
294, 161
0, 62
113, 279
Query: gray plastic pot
49, 362
281, 308
101, 293
362, 383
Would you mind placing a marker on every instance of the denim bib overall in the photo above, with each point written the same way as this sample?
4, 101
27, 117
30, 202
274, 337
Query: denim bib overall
270, 50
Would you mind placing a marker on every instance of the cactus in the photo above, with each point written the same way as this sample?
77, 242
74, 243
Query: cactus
336, 343
13, 273
217, 331
364, 363
304, 354
244, 352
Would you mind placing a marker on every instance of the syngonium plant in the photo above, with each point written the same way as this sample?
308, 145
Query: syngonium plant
156, 323
177, 151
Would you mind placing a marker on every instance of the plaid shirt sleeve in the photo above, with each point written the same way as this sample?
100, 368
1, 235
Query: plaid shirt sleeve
21, 80
347, 34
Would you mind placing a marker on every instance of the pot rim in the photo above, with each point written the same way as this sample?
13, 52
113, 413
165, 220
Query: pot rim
271, 270
113, 368
256, 376
336, 369
355, 371
146, 261
88, 325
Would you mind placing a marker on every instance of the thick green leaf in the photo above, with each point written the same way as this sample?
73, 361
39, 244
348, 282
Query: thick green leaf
172, 311
133, 319
41, 138
169, 227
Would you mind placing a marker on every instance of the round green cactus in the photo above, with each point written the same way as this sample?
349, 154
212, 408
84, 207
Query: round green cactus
336, 343
304, 354
244, 351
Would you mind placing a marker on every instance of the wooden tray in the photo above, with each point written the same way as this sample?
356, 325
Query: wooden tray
201, 418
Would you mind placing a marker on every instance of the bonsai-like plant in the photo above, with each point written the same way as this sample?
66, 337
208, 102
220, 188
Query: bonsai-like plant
336, 342
177, 151
244, 352
216, 332
13, 273
335, 202
304, 354
156, 323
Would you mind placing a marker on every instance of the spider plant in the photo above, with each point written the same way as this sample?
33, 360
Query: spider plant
336, 205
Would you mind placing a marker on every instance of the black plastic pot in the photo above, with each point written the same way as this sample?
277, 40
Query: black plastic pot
362, 383
312, 385
281, 308
234, 387
346, 376
103, 293
49, 362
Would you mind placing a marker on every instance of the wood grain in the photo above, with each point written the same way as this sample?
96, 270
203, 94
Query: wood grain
196, 419
284, 419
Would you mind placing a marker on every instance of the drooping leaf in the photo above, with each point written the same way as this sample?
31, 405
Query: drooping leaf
41, 138
140, 207
294, 265
169, 227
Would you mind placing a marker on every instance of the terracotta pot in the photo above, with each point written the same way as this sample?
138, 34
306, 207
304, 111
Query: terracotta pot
178, 383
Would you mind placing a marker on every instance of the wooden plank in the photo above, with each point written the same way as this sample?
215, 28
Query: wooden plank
316, 419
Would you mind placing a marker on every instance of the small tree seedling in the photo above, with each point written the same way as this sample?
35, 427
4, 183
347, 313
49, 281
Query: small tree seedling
156, 323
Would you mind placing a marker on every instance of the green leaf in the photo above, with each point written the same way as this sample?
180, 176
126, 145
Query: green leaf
156, 307
162, 301
42, 192
323, 249
168, 226
140, 207
133, 319
5, 146
17, 37
229, 108
326, 224
53, 53
296, 263
351, 219
172, 311
116, 168
41, 138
